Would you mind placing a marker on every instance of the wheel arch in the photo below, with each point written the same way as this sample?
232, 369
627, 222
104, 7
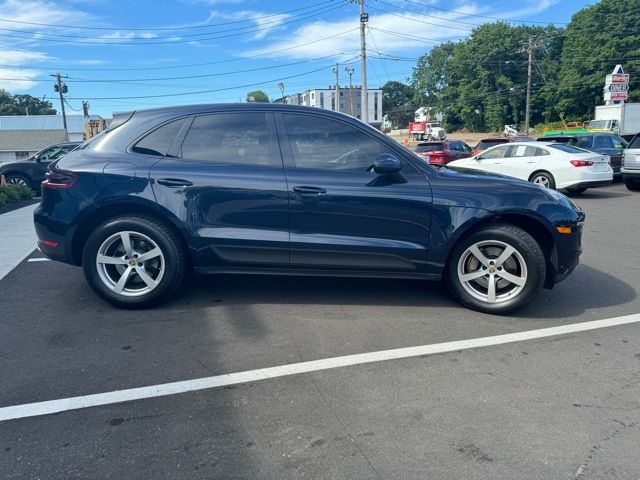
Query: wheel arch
106, 212
530, 224
541, 170
22, 174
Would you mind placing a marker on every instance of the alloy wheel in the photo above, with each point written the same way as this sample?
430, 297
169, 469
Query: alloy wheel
17, 181
130, 263
541, 180
492, 271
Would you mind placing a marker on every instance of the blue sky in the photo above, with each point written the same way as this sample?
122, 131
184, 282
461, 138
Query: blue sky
138, 48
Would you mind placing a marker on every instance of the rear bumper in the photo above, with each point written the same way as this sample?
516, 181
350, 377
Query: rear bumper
630, 173
591, 184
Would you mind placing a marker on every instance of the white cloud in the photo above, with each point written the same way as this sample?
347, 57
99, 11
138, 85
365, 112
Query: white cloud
266, 22
434, 28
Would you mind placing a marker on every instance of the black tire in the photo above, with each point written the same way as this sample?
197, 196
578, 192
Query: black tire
631, 184
169, 268
508, 298
18, 179
543, 178
577, 190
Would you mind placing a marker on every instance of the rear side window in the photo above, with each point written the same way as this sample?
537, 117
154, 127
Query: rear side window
159, 140
635, 143
602, 141
585, 142
523, 151
240, 138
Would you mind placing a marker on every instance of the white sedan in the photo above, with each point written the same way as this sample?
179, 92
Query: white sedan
551, 165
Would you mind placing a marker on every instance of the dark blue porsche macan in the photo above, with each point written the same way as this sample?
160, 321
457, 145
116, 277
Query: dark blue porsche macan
278, 189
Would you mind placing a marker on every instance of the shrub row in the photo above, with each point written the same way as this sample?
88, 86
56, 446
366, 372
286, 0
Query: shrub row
13, 193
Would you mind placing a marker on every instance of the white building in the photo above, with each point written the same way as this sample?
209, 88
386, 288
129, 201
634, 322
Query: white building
349, 102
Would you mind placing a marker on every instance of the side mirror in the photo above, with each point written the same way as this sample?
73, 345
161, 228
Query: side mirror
386, 164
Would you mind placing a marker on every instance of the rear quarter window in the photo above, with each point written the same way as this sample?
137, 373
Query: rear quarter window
635, 143
159, 140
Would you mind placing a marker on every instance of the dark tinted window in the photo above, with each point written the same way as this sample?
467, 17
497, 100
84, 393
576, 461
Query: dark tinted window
158, 141
323, 143
602, 141
635, 143
585, 142
429, 147
241, 138
484, 144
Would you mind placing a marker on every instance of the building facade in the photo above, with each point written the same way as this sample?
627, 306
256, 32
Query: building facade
348, 102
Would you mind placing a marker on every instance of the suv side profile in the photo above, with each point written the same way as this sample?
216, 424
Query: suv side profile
289, 190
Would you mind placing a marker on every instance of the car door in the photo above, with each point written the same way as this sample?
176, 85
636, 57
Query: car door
522, 160
491, 160
223, 179
343, 216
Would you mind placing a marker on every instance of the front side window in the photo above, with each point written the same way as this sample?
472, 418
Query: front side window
325, 144
159, 140
240, 138
497, 152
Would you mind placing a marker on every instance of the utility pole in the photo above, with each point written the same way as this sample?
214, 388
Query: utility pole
61, 88
527, 115
364, 102
337, 70
350, 71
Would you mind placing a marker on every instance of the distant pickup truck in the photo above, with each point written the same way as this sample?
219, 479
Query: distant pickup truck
426, 131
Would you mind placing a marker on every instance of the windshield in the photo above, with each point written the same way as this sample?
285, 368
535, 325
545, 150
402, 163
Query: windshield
484, 144
568, 148
429, 147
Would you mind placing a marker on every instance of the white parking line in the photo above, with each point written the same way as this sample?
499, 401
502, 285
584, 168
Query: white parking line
39, 259
118, 396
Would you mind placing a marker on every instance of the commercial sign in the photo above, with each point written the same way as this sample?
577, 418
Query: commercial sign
616, 86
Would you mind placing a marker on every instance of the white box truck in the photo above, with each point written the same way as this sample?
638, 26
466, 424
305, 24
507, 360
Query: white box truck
623, 119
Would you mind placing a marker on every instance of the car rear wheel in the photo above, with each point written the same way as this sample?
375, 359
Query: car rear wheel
632, 184
17, 179
497, 269
544, 179
134, 261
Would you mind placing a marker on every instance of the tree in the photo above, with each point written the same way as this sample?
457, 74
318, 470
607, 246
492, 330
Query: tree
23, 105
397, 103
257, 96
597, 38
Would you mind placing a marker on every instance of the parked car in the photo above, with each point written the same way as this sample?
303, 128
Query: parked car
31, 171
631, 165
441, 153
551, 165
485, 143
284, 189
603, 143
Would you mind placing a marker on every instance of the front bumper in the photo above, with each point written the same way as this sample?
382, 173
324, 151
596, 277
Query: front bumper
566, 255
630, 173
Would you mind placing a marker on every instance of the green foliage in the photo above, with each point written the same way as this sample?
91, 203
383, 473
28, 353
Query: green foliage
478, 83
21, 104
397, 103
257, 96
598, 37
13, 193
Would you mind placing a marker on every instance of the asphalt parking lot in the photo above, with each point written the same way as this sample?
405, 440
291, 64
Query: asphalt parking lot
563, 406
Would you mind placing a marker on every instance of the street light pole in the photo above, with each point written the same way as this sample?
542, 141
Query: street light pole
350, 70
364, 102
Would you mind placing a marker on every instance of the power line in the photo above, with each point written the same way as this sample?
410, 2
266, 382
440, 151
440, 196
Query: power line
211, 90
85, 27
106, 41
264, 54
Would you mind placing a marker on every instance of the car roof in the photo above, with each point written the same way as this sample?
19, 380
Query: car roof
435, 142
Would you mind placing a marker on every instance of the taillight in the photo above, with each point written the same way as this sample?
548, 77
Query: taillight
438, 158
59, 179
581, 163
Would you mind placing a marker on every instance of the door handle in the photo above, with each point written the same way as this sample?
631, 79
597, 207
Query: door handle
309, 190
174, 182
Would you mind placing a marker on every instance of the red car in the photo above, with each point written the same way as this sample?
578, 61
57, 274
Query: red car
441, 153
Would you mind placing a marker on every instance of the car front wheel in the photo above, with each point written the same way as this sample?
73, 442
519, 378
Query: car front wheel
134, 261
497, 269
